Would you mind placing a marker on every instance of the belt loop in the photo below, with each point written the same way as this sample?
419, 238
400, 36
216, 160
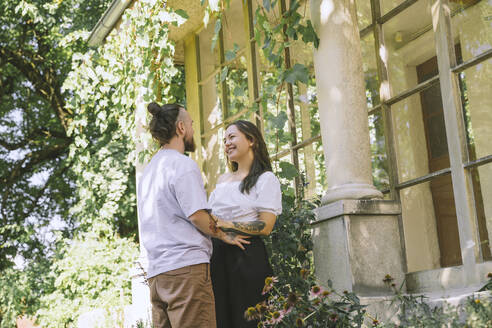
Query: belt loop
206, 271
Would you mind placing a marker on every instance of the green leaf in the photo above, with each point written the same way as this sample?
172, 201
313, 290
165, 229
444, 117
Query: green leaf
309, 34
289, 171
230, 55
266, 44
238, 91
218, 26
278, 121
291, 32
182, 13
297, 73
141, 157
223, 73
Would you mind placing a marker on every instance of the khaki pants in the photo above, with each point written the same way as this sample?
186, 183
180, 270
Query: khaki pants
183, 298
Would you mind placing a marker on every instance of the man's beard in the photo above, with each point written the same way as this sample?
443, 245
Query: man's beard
189, 145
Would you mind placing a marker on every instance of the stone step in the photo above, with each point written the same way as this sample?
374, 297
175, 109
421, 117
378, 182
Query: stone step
385, 308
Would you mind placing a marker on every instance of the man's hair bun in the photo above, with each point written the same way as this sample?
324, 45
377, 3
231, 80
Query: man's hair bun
162, 125
153, 108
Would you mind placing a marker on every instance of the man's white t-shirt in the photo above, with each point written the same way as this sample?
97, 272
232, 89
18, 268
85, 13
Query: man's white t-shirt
169, 192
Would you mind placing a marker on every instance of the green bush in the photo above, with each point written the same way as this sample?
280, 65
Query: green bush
92, 272
290, 244
20, 291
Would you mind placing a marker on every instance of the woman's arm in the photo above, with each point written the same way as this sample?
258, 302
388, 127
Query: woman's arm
207, 224
261, 227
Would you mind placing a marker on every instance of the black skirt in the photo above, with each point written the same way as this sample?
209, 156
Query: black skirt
238, 278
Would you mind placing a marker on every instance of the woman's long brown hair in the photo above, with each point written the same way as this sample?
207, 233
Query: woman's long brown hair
261, 161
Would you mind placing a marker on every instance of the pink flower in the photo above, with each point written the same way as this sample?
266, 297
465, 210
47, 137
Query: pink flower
315, 291
287, 307
269, 281
277, 317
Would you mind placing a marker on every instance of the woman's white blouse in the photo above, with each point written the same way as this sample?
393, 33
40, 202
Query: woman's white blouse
229, 203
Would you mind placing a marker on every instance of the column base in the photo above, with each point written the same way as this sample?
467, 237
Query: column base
356, 244
140, 311
351, 191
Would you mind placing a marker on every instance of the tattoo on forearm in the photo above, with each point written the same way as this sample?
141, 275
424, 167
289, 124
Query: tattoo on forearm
246, 228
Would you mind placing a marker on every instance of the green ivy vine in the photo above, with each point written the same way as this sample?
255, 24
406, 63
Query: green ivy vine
133, 66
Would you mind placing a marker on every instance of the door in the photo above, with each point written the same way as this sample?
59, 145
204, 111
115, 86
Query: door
438, 157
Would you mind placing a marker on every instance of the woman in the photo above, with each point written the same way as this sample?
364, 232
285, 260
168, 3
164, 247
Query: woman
248, 200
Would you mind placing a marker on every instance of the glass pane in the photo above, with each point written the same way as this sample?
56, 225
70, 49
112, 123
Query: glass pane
420, 134
430, 228
475, 83
212, 166
209, 62
379, 158
307, 170
234, 33
482, 192
237, 87
409, 47
274, 104
387, 5
277, 135
307, 122
370, 69
320, 168
222, 157
364, 17
312, 170
209, 58
472, 26
277, 169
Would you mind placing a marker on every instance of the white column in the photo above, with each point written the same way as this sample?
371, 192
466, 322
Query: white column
342, 102
140, 309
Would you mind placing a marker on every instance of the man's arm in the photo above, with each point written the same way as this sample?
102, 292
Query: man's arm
261, 227
204, 222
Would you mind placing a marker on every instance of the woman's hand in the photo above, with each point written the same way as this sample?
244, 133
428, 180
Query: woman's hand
232, 238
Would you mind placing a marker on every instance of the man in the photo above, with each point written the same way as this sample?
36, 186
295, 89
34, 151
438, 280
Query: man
175, 226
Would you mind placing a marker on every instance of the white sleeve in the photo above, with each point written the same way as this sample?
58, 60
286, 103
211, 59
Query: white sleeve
190, 193
269, 194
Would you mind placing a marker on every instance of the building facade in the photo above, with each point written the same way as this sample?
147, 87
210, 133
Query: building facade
392, 129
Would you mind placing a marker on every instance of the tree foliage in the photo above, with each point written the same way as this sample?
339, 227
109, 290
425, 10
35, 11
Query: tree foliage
37, 41
44, 157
